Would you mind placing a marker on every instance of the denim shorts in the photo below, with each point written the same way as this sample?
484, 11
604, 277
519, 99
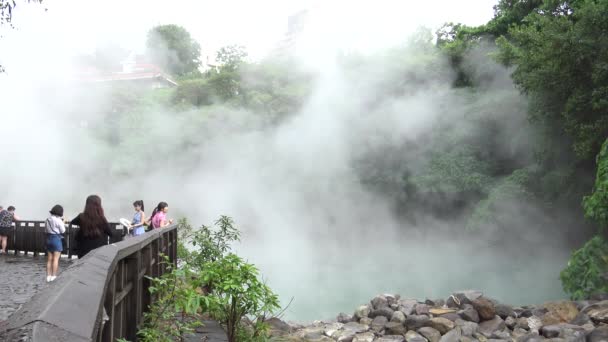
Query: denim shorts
54, 243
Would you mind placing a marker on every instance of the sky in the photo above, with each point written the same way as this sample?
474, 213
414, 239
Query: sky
258, 25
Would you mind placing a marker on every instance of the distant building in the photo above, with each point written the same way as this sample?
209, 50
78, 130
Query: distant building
296, 23
135, 70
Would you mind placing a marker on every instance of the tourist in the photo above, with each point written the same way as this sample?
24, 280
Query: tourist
7, 217
55, 228
159, 216
138, 222
94, 228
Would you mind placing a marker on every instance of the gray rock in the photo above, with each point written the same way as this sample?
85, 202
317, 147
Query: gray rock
422, 309
390, 338
395, 328
467, 328
522, 323
344, 335
598, 335
364, 337
452, 316
379, 302
510, 322
487, 328
386, 312
467, 296
412, 336
398, 316
535, 323
485, 308
519, 332
407, 306
598, 312
557, 330
451, 336
501, 335
504, 311
356, 327
468, 313
443, 325
581, 319
431, 334
344, 318
366, 321
378, 323
331, 329
531, 337
391, 299
362, 311
525, 312
415, 322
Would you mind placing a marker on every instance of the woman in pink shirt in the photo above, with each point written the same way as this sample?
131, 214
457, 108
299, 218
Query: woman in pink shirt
159, 216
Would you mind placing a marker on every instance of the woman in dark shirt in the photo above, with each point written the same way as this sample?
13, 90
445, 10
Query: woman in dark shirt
94, 228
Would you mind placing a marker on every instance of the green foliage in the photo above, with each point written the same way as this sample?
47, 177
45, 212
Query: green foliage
231, 57
596, 204
210, 280
587, 270
172, 47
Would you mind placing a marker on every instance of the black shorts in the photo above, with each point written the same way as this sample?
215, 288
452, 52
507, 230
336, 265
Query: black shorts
6, 231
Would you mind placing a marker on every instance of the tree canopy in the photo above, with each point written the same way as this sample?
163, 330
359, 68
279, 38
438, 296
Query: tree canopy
172, 47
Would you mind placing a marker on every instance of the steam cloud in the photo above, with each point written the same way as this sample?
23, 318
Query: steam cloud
316, 232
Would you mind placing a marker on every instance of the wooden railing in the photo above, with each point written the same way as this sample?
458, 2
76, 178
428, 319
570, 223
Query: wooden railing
30, 237
101, 297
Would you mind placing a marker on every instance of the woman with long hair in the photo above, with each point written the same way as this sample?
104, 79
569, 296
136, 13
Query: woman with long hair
138, 219
94, 228
159, 216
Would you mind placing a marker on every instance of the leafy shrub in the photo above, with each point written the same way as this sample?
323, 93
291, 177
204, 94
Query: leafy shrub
587, 270
596, 205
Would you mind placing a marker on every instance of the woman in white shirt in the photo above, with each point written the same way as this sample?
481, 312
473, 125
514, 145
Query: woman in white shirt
55, 228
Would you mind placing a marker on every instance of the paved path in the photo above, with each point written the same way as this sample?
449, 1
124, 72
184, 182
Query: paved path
20, 278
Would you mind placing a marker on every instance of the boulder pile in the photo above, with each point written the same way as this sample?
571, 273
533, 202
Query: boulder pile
465, 316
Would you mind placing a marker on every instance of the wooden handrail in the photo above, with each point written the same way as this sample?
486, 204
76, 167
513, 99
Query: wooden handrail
101, 297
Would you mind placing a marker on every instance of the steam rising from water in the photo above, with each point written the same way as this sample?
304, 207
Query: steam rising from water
317, 233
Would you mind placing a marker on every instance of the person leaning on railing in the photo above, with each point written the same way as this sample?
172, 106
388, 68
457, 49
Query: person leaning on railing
94, 228
159, 216
7, 217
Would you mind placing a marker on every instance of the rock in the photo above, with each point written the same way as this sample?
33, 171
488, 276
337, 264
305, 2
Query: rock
559, 312
519, 332
379, 302
467, 328
344, 335
443, 325
598, 312
588, 327
278, 327
525, 312
364, 337
412, 336
363, 311
522, 323
598, 335
487, 328
534, 323
504, 311
556, 330
501, 335
407, 306
366, 321
390, 338
431, 334
356, 327
398, 316
422, 309
331, 329
451, 316
581, 319
531, 337
386, 312
391, 299
378, 323
467, 296
485, 308
344, 318
416, 322
468, 313
451, 336
441, 311
395, 328
510, 322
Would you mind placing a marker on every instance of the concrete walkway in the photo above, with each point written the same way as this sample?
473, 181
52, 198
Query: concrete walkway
21, 277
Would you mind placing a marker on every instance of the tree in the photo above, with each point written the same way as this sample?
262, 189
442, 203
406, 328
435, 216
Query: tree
6, 14
231, 56
172, 47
